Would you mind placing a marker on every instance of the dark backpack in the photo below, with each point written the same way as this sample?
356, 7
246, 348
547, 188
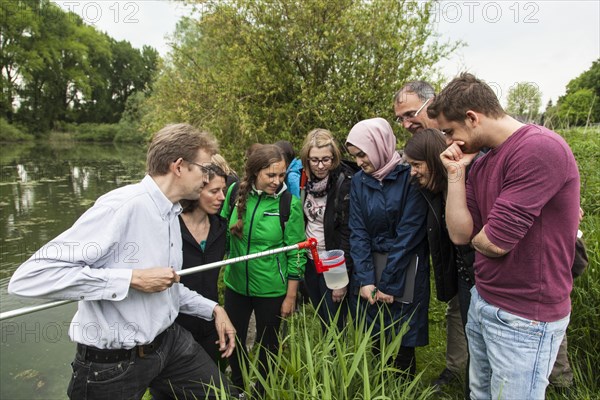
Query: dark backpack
285, 205
349, 168
580, 262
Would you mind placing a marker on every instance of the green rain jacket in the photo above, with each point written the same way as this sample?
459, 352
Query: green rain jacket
266, 276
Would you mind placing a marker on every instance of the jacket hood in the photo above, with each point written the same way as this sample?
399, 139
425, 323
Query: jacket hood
295, 165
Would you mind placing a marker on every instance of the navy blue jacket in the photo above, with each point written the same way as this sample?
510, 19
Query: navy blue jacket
390, 217
387, 217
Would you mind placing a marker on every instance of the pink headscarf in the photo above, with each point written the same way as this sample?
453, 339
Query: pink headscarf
376, 139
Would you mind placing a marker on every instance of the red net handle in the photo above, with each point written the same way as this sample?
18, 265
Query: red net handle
311, 244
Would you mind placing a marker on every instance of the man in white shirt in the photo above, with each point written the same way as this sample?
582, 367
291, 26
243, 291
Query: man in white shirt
120, 261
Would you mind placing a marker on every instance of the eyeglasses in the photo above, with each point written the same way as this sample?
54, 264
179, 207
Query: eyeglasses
411, 114
317, 161
204, 168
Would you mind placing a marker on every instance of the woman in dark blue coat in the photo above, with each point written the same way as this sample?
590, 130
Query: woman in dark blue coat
388, 240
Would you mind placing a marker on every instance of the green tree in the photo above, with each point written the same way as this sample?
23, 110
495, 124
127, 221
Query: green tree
118, 74
581, 103
58, 69
55, 68
257, 70
17, 26
576, 107
524, 100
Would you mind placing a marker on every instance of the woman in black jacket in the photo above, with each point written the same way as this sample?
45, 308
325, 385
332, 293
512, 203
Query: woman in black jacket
326, 200
452, 265
204, 234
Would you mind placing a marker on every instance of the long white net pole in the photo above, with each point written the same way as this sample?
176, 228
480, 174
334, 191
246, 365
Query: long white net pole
188, 271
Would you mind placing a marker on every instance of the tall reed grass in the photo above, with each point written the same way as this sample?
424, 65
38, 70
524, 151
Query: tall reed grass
312, 363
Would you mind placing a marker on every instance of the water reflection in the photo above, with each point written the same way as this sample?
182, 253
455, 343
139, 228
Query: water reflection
43, 190
80, 179
22, 173
24, 198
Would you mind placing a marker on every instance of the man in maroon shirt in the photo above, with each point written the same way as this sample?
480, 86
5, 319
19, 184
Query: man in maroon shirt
519, 210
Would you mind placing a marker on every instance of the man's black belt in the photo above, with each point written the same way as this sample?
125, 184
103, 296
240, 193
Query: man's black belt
94, 354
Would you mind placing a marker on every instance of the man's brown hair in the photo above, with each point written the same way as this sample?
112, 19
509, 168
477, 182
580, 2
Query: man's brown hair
463, 93
177, 141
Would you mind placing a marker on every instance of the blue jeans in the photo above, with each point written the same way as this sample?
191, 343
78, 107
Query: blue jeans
511, 356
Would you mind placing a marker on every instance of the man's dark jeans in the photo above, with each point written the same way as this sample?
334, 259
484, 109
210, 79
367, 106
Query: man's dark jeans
179, 368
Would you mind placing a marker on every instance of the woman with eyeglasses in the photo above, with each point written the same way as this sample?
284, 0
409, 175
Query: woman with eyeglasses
204, 234
388, 241
268, 285
326, 206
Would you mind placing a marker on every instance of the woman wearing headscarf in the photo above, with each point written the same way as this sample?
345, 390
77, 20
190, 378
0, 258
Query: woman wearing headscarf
388, 240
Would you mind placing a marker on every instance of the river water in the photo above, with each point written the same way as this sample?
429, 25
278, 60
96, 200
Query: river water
44, 188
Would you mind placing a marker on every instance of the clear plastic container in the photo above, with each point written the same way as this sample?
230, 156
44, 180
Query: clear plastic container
336, 277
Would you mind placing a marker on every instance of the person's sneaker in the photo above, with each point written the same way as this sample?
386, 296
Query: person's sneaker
447, 377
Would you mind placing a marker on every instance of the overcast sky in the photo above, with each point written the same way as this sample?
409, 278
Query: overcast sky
545, 42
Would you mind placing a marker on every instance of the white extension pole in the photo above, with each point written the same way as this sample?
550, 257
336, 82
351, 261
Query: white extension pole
188, 271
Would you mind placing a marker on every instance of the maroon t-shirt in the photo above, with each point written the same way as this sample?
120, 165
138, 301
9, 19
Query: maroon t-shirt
526, 192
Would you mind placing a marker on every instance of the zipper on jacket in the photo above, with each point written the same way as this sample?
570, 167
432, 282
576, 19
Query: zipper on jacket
280, 271
248, 246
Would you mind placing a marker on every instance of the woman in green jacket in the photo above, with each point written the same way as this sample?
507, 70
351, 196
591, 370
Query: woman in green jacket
266, 285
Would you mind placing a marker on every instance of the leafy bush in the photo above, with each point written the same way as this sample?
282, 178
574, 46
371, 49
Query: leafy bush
130, 133
123, 132
12, 133
104, 133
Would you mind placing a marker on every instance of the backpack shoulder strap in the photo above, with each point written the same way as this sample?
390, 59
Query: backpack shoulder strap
348, 169
233, 198
285, 205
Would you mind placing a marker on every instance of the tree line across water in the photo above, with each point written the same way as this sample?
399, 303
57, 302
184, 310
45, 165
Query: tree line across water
58, 70
248, 71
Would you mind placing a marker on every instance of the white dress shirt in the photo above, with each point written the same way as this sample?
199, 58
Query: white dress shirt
133, 227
